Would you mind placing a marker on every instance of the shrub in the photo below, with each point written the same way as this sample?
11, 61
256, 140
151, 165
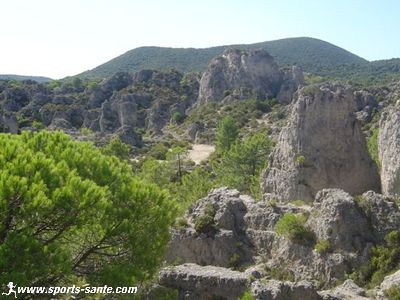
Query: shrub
323, 246
372, 145
393, 293
247, 295
181, 223
205, 222
300, 160
292, 226
158, 151
234, 261
178, 117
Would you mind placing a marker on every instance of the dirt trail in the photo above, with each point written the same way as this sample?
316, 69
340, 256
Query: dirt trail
200, 152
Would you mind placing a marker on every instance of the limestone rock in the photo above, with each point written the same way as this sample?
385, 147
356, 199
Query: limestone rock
217, 247
346, 291
292, 80
209, 282
382, 212
389, 151
390, 281
322, 146
278, 290
243, 73
336, 217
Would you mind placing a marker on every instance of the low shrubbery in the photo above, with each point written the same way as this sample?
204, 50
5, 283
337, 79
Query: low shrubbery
205, 222
292, 226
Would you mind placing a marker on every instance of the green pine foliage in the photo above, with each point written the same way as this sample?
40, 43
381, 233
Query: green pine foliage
227, 133
240, 167
68, 213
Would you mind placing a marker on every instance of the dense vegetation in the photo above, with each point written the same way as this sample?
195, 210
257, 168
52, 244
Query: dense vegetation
314, 55
21, 77
70, 214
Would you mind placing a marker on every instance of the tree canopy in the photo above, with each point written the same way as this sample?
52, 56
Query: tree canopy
69, 213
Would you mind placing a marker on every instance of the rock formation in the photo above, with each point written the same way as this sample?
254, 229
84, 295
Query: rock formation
389, 149
242, 74
240, 234
322, 146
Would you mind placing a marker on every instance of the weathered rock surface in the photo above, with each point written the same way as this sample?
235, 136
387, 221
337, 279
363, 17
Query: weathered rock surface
346, 291
389, 151
278, 290
382, 213
390, 280
209, 282
337, 218
242, 74
243, 234
219, 246
322, 146
292, 80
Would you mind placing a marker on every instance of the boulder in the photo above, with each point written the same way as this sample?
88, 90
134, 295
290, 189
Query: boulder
322, 146
243, 73
209, 282
278, 290
223, 243
382, 212
346, 291
389, 151
337, 218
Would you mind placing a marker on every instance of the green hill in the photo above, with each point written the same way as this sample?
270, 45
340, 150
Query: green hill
23, 77
313, 55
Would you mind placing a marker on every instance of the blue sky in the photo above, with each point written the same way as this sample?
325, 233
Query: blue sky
57, 38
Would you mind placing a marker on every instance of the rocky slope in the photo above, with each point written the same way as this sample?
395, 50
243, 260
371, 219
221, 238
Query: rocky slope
241, 235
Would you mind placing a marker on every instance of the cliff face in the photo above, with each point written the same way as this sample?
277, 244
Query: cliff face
322, 146
389, 151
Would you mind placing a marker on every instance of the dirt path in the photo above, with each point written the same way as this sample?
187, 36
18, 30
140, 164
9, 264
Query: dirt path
200, 152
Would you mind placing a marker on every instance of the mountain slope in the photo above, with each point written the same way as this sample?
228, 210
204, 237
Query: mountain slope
23, 77
311, 54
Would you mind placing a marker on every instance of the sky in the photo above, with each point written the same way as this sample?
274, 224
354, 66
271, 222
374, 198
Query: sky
58, 38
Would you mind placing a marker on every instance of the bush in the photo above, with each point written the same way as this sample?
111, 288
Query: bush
372, 144
70, 213
247, 295
300, 160
118, 148
158, 151
205, 222
234, 261
385, 259
292, 226
323, 246
393, 293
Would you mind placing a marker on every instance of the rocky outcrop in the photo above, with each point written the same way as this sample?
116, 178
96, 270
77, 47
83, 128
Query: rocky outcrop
348, 290
382, 212
278, 290
224, 244
210, 282
238, 74
389, 150
292, 80
336, 217
322, 146
241, 233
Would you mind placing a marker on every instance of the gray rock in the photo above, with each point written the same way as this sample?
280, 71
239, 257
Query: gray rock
382, 212
390, 280
322, 146
242, 74
209, 282
218, 247
292, 80
346, 291
389, 151
278, 290
337, 218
